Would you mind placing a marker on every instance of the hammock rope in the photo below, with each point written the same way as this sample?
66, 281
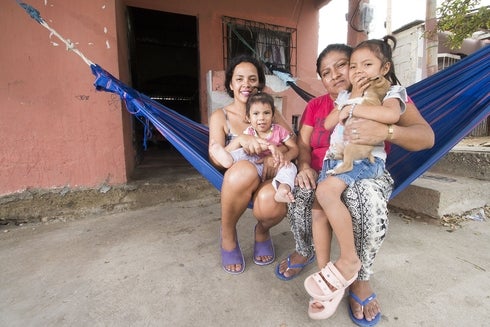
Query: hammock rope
453, 101
70, 46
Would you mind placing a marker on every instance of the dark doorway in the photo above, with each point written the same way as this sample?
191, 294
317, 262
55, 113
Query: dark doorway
164, 65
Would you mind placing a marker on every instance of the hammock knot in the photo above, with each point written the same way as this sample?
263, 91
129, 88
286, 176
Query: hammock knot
69, 45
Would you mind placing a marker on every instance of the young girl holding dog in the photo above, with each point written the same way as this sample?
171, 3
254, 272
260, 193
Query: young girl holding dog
369, 59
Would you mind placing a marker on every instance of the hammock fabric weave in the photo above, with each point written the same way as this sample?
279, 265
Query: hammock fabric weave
453, 101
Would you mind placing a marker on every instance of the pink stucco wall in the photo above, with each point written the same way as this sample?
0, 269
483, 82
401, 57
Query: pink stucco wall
57, 131
299, 14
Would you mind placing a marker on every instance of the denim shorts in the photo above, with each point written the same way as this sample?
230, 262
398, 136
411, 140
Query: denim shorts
362, 169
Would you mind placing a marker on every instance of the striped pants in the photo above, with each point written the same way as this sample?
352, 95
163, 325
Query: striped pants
367, 202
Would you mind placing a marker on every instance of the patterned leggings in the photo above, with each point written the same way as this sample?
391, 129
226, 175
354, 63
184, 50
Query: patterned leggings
367, 202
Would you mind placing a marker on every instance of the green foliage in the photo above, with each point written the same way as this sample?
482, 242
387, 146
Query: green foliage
461, 19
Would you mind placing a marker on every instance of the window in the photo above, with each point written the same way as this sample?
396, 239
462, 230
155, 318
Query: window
268, 43
445, 60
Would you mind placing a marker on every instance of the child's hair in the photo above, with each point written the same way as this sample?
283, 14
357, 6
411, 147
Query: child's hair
384, 51
235, 62
337, 47
260, 97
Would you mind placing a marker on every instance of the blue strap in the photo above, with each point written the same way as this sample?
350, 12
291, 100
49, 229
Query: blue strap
365, 302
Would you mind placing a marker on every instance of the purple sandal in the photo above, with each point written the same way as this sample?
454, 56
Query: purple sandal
264, 249
233, 257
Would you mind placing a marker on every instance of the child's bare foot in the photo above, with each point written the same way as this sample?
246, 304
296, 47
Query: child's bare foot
283, 194
348, 267
336, 277
327, 288
220, 154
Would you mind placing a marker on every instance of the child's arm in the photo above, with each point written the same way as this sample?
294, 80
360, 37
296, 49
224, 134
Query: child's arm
332, 119
286, 153
387, 113
277, 153
293, 150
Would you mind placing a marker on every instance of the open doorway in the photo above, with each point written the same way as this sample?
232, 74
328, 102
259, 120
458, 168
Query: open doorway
164, 65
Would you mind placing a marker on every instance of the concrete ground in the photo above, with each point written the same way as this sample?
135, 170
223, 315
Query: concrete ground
160, 266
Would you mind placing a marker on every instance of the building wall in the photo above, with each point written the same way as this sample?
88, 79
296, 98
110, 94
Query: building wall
57, 131
410, 59
409, 55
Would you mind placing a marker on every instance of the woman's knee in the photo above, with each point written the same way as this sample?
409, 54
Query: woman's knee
265, 207
241, 176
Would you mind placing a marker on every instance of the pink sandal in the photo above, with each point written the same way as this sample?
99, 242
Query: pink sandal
318, 284
329, 308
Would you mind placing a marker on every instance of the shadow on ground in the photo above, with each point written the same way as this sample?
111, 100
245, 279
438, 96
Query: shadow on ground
164, 176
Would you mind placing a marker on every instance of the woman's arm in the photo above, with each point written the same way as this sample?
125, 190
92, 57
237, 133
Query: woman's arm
306, 177
412, 132
216, 133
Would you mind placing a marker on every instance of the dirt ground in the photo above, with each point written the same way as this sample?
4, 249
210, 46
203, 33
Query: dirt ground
164, 176
160, 178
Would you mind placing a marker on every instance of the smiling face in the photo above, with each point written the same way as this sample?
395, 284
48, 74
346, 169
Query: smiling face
260, 116
364, 63
244, 82
334, 72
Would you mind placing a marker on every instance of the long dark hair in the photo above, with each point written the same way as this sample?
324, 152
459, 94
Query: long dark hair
238, 60
384, 52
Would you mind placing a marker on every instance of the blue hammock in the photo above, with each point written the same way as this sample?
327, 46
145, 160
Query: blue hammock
187, 136
453, 101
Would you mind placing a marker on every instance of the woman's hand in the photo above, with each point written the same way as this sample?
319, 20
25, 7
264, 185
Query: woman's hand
364, 131
306, 178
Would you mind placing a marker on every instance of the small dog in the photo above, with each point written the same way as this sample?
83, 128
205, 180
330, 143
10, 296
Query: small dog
373, 95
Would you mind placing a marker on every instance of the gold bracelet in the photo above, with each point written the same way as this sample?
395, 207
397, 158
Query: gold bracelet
390, 132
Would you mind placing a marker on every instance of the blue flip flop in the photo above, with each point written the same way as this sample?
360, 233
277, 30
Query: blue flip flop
363, 322
293, 266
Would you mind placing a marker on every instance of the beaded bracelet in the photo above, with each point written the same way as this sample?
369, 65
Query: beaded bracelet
352, 109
